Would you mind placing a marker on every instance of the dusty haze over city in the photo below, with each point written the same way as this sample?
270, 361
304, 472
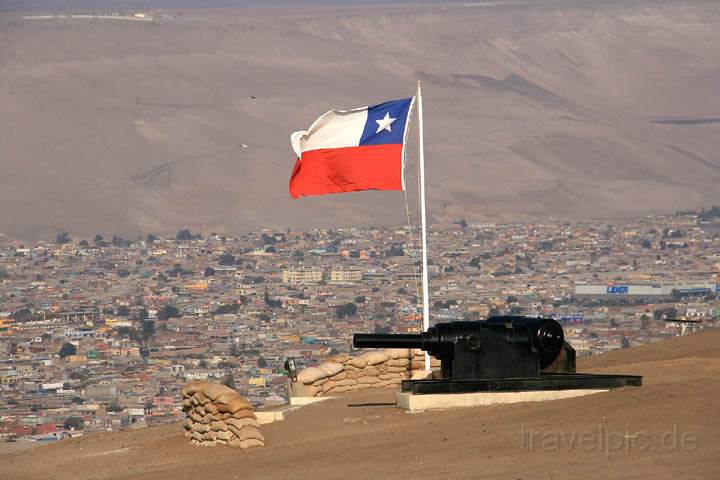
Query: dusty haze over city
577, 110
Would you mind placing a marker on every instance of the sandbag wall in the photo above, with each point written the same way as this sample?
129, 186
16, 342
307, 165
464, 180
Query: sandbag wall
343, 373
218, 415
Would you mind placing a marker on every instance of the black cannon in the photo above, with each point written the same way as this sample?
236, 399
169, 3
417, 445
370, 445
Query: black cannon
500, 353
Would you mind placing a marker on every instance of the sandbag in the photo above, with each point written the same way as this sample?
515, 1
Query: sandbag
339, 358
331, 368
327, 386
237, 403
367, 380
234, 430
342, 389
339, 376
311, 374
201, 398
191, 388
398, 353
243, 414
214, 390
211, 408
209, 435
398, 362
371, 371
196, 436
245, 444
368, 358
218, 426
242, 422
358, 362
374, 358
225, 398
200, 427
346, 382
250, 443
396, 369
225, 435
247, 433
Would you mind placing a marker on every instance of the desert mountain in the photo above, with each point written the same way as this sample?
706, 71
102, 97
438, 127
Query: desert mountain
575, 109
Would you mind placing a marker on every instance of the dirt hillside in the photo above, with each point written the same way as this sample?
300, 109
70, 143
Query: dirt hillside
666, 429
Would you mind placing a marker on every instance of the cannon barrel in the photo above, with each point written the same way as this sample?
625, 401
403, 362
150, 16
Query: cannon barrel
486, 342
383, 340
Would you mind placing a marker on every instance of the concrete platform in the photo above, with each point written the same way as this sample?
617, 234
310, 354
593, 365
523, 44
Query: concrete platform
300, 401
270, 416
419, 403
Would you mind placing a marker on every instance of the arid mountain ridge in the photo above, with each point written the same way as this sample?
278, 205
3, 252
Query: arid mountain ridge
572, 110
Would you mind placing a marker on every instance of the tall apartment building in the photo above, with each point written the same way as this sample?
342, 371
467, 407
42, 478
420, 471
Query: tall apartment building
345, 276
302, 276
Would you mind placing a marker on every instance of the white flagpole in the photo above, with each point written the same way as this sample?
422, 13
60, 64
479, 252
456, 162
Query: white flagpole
423, 222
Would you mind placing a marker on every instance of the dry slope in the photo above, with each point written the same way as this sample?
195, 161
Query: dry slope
541, 109
672, 420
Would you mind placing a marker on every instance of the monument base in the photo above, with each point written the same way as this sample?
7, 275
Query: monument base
300, 401
414, 403
543, 382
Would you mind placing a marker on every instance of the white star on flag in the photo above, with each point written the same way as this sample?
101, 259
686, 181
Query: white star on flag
384, 123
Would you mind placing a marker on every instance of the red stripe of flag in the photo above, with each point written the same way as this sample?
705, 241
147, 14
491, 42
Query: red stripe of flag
336, 170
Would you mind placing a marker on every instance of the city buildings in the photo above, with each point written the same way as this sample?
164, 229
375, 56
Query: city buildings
101, 334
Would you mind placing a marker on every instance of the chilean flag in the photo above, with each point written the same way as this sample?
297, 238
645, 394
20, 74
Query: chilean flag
352, 150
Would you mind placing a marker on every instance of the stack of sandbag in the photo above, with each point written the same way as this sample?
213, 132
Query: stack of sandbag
218, 415
343, 373
418, 361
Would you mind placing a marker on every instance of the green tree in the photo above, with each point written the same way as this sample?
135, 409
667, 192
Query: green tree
62, 238
227, 308
74, 423
346, 310
184, 235
168, 311
148, 329
22, 315
67, 349
226, 259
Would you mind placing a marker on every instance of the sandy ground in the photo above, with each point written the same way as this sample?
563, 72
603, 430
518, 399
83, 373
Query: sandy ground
666, 429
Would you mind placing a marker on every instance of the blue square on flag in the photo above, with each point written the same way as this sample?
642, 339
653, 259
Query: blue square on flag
386, 123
